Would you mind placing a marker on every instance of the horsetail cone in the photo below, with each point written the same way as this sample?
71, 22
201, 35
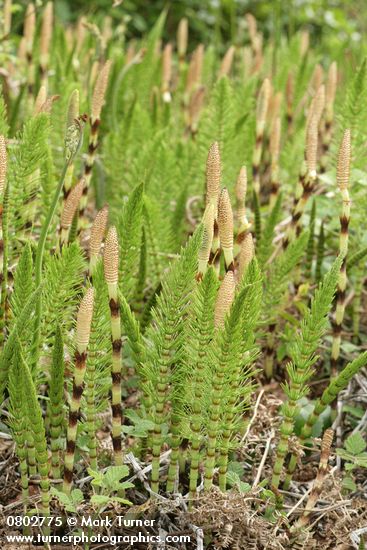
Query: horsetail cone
317, 106
206, 244
242, 222
98, 98
330, 93
97, 233
227, 62
311, 147
342, 179
213, 177
45, 40
306, 181
111, 264
99, 92
166, 72
40, 100
83, 322
71, 116
246, 255
224, 299
82, 335
70, 207
262, 106
182, 39
225, 227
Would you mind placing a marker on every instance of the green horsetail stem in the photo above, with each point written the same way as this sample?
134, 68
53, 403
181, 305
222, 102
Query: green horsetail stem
261, 112
45, 42
19, 424
238, 380
205, 248
83, 326
73, 141
36, 424
98, 97
327, 133
213, 177
317, 486
357, 302
223, 304
336, 385
225, 228
111, 263
203, 333
242, 223
3, 229
56, 395
307, 182
342, 177
320, 250
300, 368
96, 236
310, 245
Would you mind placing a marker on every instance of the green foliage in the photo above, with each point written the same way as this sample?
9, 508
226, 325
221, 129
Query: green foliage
355, 456
278, 277
129, 230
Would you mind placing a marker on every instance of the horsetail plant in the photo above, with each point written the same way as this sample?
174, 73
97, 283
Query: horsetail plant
167, 334
73, 141
317, 486
83, 326
98, 98
342, 176
331, 392
303, 356
307, 181
37, 428
3, 264
18, 425
200, 334
56, 394
111, 267
223, 305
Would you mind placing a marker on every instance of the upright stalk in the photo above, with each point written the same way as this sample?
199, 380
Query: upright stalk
342, 176
83, 326
111, 265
